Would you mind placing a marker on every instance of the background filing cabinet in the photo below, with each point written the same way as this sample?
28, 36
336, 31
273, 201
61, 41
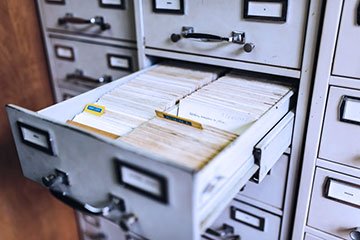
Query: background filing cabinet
255, 59
84, 55
329, 200
88, 43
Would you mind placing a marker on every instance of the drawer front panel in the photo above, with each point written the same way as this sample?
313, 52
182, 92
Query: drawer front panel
82, 66
347, 56
66, 94
339, 141
335, 203
248, 223
95, 164
272, 189
115, 17
96, 228
283, 48
311, 237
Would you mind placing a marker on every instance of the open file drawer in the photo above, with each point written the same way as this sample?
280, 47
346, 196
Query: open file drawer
87, 165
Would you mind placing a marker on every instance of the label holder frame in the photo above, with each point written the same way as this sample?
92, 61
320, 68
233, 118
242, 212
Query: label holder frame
266, 18
327, 183
261, 226
342, 105
49, 150
164, 196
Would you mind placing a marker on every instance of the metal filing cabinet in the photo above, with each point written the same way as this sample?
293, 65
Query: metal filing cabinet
329, 200
88, 43
274, 40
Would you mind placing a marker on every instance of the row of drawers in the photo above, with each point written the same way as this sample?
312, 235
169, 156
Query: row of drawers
161, 25
82, 65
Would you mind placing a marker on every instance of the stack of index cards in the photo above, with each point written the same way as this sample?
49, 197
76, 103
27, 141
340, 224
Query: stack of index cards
180, 143
134, 102
233, 102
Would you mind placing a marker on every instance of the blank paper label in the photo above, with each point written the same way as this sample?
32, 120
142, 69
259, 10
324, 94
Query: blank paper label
35, 137
111, 2
64, 52
265, 9
352, 110
168, 4
246, 218
347, 193
141, 181
119, 62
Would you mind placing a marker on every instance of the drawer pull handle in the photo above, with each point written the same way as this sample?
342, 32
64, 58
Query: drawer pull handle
225, 232
59, 181
236, 37
355, 234
79, 75
97, 20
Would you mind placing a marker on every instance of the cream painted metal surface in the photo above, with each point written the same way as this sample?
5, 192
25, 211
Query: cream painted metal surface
119, 18
342, 127
96, 228
271, 147
347, 56
248, 222
81, 66
275, 43
89, 160
311, 237
335, 203
272, 189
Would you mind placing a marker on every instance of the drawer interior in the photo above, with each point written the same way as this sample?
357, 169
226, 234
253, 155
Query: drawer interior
201, 110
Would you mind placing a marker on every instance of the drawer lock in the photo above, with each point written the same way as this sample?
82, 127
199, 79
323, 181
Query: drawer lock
236, 37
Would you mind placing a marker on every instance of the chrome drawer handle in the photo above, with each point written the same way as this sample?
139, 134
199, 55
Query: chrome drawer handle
355, 234
97, 20
226, 232
79, 75
236, 37
59, 181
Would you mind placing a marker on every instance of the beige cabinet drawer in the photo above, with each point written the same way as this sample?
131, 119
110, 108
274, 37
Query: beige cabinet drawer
347, 56
245, 222
272, 190
339, 140
82, 66
308, 236
93, 169
335, 203
96, 228
110, 19
257, 20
